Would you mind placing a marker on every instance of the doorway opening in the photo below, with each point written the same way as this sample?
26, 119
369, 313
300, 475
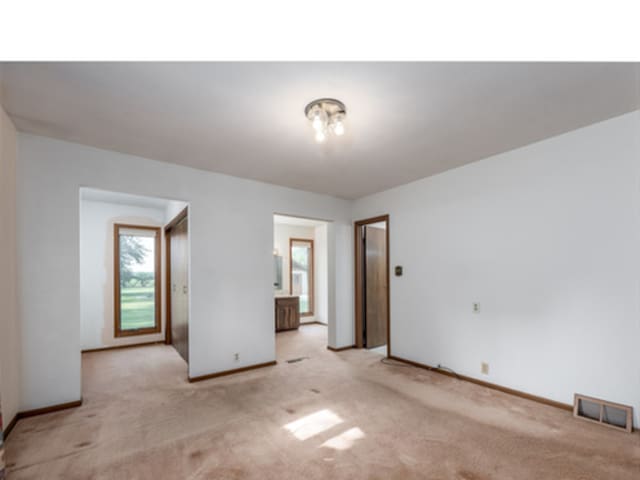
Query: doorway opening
176, 234
301, 273
124, 263
372, 284
300, 284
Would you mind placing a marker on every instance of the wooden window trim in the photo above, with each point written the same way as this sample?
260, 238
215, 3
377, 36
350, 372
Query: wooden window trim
312, 286
157, 328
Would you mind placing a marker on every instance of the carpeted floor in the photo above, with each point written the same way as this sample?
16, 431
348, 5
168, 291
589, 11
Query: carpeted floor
331, 416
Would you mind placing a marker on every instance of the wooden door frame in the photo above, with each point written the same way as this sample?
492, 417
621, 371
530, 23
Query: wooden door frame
359, 343
167, 247
312, 285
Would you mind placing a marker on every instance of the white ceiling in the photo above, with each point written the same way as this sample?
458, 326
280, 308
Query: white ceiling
405, 121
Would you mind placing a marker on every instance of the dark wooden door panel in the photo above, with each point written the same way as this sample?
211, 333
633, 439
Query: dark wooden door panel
180, 289
376, 286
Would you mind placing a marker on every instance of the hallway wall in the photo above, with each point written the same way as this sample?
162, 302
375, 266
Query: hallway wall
231, 277
10, 375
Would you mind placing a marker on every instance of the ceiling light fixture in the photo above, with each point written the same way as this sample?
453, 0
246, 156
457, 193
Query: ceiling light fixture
326, 115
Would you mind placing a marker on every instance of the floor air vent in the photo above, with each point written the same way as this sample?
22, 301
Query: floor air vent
605, 413
296, 360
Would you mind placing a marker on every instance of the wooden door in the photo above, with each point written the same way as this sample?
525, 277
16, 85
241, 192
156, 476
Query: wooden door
375, 272
179, 253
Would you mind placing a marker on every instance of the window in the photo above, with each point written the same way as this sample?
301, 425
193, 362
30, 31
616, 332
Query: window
301, 273
136, 279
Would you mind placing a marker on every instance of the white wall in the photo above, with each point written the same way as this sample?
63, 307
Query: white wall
96, 270
173, 208
340, 267
547, 239
9, 327
321, 274
231, 229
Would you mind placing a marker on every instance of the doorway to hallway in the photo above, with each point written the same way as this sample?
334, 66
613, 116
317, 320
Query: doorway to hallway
372, 284
301, 277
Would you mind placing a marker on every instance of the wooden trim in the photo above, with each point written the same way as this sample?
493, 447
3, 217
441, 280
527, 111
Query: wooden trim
231, 372
492, 386
340, 349
378, 219
167, 287
184, 213
420, 365
49, 409
38, 411
358, 285
7, 430
315, 322
157, 328
312, 293
118, 347
358, 279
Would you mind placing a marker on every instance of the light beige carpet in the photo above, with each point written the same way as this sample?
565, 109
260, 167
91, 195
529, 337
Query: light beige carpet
332, 416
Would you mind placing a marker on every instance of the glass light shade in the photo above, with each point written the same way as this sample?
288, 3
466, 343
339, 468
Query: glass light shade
319, 121
326, 116
338, 127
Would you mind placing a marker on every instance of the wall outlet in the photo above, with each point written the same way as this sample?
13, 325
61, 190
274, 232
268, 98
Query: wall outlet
236, 356
484, 368
476, 308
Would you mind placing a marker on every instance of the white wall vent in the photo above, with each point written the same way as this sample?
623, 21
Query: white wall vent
603, 412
